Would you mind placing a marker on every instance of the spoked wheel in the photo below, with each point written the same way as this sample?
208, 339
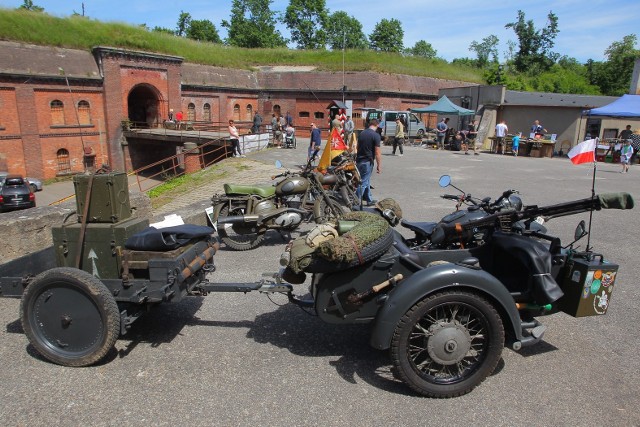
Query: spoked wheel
240, 237
447, 344
70, 317
324, 212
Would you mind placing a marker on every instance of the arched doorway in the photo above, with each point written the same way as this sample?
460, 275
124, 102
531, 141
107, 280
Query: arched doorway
144, 106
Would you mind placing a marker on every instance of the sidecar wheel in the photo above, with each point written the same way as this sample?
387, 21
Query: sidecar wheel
447, 344
70, 317
238, 236
324, 212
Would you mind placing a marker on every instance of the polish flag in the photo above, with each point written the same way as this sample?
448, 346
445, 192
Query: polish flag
583, 153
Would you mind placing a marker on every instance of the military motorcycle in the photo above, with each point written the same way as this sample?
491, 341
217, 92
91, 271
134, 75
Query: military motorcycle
446, 311
475, 209
244, 213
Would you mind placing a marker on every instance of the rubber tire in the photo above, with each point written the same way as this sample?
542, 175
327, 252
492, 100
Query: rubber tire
78, 295
254, 241
406, 370
33, 188
420, 134
320, 207
369, 253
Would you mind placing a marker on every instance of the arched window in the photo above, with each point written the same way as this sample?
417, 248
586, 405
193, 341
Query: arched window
276, 109
249, 112
57, 112
64, 164
191, 112
207, 112
84, 113
236, 112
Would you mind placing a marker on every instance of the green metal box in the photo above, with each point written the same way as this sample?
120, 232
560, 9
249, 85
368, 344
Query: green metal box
588, 287
109, 199
101, 248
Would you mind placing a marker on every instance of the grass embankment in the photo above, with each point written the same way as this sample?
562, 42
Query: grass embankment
84, 33
178, 186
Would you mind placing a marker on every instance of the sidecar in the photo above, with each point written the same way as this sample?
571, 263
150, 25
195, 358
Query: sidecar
445, 315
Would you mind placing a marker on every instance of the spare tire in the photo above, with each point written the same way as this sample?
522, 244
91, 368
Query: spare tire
367, 240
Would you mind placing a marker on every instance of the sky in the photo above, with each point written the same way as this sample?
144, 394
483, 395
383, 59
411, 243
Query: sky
587, 28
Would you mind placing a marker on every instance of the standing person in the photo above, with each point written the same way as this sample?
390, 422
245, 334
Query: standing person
315, 142
472, 134
626, 133
625, 155
289, 120
501, 133
635, 144
282, 124
178, 119
537, 129
335, 123
234, 137
349, 127
398, 139
274, 127
368, 151
442, 132
170, 114
516, 144
257, 122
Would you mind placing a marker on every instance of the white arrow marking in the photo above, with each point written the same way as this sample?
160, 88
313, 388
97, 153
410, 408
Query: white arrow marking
93, 257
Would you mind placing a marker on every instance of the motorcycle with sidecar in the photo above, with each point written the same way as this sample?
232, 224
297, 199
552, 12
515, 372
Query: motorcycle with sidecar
444, 314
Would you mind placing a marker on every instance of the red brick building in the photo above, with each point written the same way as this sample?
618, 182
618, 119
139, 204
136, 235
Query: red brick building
62, 110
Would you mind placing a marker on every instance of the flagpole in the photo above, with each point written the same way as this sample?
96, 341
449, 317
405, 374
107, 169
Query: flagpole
593, 196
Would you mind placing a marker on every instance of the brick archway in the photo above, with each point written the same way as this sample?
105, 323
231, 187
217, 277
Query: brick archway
144, 105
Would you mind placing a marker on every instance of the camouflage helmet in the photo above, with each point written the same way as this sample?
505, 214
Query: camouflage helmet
391, 210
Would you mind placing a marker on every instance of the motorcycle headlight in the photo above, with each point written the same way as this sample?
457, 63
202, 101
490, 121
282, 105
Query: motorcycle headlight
512, 202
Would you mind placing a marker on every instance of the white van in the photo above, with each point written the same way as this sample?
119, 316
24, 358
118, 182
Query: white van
414, 129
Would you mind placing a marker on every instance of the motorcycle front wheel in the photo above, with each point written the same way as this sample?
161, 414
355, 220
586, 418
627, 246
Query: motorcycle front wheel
447, 344
240, 237
323, 212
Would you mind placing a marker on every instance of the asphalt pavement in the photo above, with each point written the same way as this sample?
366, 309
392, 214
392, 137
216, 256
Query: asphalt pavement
236, 359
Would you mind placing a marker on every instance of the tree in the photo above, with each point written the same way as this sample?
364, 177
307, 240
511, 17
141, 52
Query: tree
614, 75
157, 29
28, 5
387, 36
252, 25
423, 50
183, 23
487, 48
534, 52
345, 32
307, 19
203, 30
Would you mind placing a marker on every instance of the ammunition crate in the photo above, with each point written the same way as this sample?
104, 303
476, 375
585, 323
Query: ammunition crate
109, 199
101, 247
588, 286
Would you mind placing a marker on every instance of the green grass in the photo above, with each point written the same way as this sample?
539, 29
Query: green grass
84, 33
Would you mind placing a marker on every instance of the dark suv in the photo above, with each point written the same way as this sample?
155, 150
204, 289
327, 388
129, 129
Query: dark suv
15, 193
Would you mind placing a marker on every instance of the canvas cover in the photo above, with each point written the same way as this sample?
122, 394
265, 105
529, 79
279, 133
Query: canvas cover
625, 106
444, 106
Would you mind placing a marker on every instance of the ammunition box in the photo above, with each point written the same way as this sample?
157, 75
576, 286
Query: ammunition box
588, 286
101, 248
109, 199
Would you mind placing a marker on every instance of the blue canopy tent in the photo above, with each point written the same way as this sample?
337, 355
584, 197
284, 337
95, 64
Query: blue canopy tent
626, 106
444, 106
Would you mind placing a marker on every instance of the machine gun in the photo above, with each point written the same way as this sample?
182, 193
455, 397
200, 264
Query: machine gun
504, 220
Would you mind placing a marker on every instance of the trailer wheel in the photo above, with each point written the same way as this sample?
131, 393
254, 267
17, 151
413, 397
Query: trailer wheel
447, 344
70, 317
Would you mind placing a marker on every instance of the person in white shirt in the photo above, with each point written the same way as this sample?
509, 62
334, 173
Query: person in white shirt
234, 137
501, 133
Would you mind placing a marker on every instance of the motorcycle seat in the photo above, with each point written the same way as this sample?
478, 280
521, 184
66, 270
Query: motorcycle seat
259, 190
422, 228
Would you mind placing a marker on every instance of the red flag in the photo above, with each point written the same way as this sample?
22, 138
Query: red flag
584, 152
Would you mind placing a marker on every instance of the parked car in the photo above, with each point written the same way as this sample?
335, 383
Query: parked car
34, 183
415, 128
15, 193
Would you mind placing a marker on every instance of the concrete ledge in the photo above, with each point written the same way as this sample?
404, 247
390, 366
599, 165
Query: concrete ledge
28, 231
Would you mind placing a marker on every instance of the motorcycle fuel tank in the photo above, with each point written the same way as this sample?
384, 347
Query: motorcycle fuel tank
293, 185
